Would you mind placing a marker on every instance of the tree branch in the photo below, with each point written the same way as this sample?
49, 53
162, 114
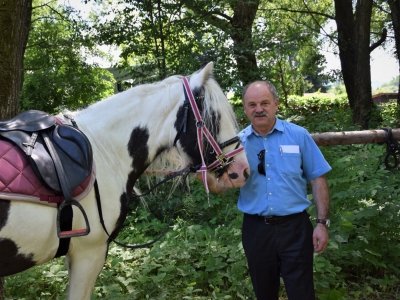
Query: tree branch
313, 17
222, 15
311, 13
381, 40
210, 17
303, 12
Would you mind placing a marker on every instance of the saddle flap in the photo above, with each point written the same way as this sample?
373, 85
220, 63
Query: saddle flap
75, 153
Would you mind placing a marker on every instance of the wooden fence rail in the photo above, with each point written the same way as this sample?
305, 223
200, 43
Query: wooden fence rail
353, 137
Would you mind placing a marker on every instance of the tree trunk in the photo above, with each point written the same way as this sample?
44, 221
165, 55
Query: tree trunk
244, 13
395, 13
1, 288
354, 53
239, 28
363, 104
345, 27
15, 19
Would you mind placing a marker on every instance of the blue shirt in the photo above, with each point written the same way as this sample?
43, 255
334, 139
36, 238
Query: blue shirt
291, 159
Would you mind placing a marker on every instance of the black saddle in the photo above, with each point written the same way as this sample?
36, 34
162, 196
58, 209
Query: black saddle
30, 120
60, 155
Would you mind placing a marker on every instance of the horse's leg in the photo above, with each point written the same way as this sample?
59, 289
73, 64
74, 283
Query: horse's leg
87, 254
84, 267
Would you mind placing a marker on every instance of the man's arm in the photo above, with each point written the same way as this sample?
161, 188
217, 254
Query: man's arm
320, 193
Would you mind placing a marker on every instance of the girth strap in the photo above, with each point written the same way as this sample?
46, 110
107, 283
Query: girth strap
66, 217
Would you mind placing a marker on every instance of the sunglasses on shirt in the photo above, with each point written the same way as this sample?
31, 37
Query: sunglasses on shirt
261, 168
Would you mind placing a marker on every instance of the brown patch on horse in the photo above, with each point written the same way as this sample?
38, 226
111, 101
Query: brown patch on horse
4, 211
11, 262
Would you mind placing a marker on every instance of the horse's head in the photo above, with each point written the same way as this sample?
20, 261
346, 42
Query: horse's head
207, 130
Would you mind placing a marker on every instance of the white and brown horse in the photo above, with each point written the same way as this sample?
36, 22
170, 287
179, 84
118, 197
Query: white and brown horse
128, 133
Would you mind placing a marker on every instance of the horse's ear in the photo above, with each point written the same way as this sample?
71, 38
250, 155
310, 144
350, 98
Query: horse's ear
204, 64
207, 69
202, 75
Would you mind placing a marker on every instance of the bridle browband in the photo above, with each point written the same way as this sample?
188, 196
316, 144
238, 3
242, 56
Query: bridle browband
220, 165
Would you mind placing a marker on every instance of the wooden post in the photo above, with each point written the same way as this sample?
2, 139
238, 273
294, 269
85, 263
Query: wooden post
353, 137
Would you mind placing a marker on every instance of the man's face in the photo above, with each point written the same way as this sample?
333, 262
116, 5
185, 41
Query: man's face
260, 107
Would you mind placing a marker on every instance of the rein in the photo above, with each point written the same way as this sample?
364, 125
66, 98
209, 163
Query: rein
220, 165
97, 194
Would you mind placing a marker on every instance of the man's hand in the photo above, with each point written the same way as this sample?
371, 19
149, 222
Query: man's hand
320, 238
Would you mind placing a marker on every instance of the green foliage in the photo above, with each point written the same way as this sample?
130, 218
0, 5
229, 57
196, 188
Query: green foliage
152, 40
48, 281
57, 75
319, 112
389, 87
338, 89
201, 256
291, 60
194, 262
176, 37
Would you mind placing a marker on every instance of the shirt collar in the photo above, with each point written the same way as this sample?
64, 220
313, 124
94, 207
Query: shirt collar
278, 126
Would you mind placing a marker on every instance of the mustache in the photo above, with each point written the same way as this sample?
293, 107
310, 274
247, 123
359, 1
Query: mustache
261, 114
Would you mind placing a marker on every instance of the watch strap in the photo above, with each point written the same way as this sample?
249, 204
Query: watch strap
326, 222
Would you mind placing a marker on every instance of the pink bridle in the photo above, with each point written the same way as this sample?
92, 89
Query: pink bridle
222, 160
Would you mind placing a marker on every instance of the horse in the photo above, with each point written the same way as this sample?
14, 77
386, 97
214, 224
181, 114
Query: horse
136, 130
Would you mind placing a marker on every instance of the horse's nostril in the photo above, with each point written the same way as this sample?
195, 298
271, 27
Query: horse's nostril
246, 173
233, 175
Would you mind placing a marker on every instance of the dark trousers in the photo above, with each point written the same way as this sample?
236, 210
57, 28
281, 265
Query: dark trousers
284, 249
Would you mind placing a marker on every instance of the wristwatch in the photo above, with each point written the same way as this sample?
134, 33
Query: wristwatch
326, 222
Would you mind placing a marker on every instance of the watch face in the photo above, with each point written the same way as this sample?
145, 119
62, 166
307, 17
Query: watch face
326, 222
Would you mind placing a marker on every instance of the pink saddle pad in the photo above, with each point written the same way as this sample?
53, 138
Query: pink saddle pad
19, 182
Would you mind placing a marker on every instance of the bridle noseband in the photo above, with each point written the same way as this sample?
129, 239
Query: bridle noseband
220, 165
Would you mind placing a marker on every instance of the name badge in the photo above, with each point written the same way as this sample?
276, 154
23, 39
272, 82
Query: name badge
289, 149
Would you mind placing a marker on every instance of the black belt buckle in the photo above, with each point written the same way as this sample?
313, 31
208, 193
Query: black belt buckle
270, 219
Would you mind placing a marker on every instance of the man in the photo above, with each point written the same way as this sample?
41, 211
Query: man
277, 234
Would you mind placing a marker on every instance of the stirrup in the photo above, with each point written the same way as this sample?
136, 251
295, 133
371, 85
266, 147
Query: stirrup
76, 232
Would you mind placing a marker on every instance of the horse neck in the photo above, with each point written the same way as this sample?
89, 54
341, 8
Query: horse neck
108, 124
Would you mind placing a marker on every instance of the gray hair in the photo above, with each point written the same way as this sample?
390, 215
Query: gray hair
270, 86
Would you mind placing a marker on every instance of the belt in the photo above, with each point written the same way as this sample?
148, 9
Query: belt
273, 219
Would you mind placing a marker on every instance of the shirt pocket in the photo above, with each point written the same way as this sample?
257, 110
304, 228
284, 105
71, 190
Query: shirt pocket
290, 164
